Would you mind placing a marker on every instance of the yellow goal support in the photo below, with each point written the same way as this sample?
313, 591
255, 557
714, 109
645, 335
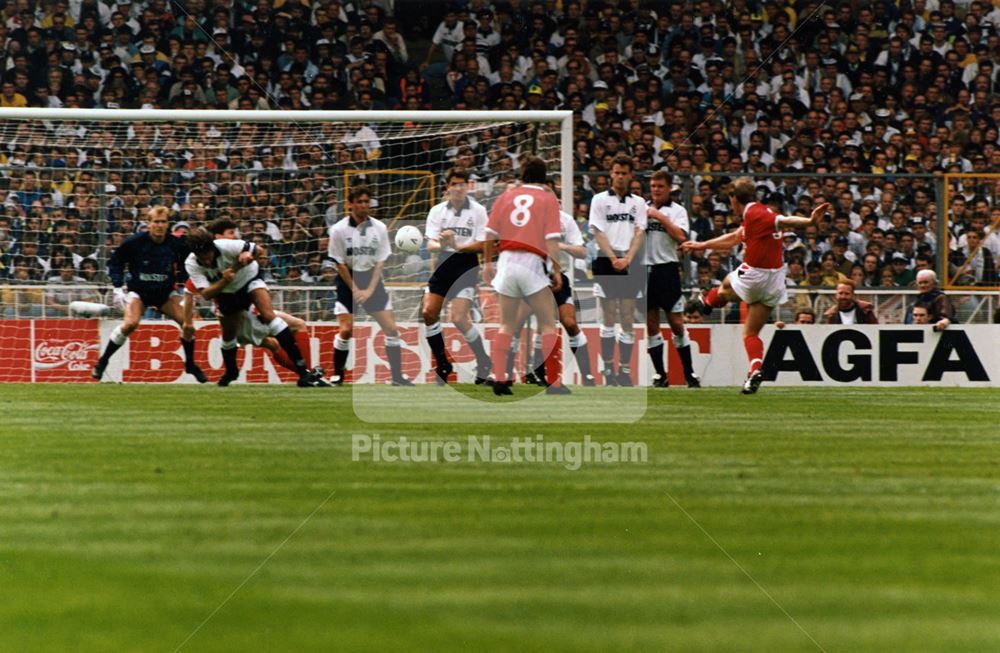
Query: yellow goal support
981, 195
402, 195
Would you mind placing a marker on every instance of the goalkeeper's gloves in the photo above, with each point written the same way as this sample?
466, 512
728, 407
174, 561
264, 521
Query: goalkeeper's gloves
119, 299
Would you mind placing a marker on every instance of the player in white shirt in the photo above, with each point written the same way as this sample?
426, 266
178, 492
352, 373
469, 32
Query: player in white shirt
571, 246
618, 223
206, 266
667, 228
252, 331
152, 259
455, 230
359, 245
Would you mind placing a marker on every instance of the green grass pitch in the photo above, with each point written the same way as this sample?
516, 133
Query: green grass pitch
141, 518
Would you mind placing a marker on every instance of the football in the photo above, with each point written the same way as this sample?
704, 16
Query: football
409, 239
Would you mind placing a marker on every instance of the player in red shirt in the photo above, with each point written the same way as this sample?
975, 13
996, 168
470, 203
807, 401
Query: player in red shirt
760, 280
525, 219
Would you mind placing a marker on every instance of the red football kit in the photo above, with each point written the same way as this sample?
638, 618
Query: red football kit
762, 238
524, 217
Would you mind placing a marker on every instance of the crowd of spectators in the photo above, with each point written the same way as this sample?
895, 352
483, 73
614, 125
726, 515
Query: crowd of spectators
808, 98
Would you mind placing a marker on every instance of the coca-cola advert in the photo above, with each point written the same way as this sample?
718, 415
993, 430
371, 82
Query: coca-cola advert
64, 350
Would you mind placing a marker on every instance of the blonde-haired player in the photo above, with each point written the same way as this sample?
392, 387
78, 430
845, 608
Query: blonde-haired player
154, 261
760, 279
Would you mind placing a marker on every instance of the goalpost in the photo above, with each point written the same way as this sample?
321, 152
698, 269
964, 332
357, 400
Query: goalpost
969, 262
75, 182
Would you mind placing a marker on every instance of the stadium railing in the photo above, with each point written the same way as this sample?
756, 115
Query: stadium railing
316, 303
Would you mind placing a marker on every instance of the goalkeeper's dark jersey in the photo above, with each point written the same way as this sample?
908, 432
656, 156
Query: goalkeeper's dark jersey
153, 269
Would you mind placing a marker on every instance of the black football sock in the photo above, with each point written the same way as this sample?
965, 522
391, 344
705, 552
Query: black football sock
340, 360
475, 341
229, 359
341, 350
539, 359
655, 351
115, 342
393, 353
188, 351
608, 348
435, 339
109, 351
581, 351
286, 339
683, 345
625, 343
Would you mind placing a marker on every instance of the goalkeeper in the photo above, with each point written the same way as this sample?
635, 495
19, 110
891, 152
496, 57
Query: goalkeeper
155, 264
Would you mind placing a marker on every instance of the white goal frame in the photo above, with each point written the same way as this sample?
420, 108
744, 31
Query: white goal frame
564, 118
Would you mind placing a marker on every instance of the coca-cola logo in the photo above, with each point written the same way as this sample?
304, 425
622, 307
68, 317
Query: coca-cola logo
72, 354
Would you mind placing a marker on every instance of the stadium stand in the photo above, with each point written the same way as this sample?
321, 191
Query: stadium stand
868, 107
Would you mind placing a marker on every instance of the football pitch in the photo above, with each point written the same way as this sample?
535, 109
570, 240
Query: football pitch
166, 518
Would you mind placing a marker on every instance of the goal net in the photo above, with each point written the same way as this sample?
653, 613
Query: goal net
76, 183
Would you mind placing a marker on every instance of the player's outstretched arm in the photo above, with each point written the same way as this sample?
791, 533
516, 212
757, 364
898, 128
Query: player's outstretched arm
796, 221
725, 241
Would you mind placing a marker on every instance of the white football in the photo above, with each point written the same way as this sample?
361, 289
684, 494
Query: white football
409, 239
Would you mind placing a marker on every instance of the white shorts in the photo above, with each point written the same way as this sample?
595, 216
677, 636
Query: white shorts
252, 331
520, 273
759, 285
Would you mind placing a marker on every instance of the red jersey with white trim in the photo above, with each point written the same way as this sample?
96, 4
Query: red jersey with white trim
762, 238
524, 217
